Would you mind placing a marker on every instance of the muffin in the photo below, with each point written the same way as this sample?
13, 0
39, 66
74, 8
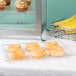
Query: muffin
38, 53
21, 6
2, 4
28, 1
7, 2
31, 45
56, 52
14, 47
51, 44
18, 55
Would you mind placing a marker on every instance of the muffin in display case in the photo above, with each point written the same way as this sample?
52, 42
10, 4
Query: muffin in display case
2, 5
8, 2
21, 6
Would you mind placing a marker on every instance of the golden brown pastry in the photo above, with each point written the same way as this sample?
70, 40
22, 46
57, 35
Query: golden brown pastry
51, 44
2, 4
18, 55
21, 6
31, 45
14, 47
58, 51
37, 53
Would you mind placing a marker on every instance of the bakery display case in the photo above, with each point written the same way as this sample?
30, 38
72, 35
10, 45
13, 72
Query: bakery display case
17, 22
61, 19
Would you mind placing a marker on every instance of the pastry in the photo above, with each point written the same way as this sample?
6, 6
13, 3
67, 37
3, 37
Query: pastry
31, 45
37, 53
14, 47
21, 6
18, 55
58, 51
51, 44
2, 4
28, 1
7, 2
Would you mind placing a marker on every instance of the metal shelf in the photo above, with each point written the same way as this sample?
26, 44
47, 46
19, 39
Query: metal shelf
9, 10
17, 26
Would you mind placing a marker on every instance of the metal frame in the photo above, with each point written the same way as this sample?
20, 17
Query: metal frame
44, 19
41, 14
38, 16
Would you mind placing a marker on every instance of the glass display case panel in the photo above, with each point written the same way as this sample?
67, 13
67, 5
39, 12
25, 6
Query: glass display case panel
14, 24
64, 12
11, 18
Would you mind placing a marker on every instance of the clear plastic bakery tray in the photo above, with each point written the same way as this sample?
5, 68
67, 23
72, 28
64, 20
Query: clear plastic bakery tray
69, 50
27, 54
